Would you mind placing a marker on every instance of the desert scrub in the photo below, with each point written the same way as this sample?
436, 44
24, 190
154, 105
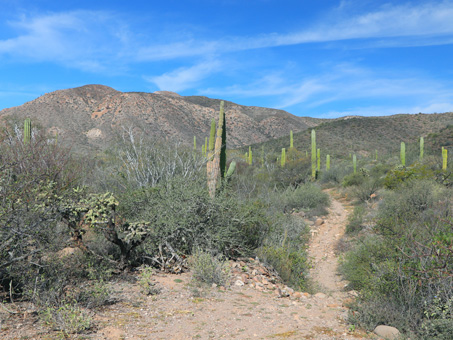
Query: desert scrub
285, 249
403, 269
145, 281
209, 269
355, 220
308, 197
68, 318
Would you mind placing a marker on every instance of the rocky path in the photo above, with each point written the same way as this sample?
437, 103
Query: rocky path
254, 307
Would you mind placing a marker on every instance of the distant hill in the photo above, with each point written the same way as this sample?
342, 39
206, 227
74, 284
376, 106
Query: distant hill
363, 135
88, 117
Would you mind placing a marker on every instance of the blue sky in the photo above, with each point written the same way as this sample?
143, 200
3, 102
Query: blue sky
311, 58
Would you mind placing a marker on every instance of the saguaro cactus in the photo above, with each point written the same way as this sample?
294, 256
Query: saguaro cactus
250, 156
354, 163
217, 153
328, 162
313, 154
444, 159
27, 130
291, 140
376, 155
283, 158
422, 147
318, 157
194, 143
403, 154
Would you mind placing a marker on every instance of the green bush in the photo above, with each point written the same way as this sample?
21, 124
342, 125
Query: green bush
285, 250
209, 269
180, 216
308, 197
67, 318
404, 269
355, 220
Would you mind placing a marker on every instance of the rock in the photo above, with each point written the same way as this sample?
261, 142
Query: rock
69, 251
239, 283
387, 332
309, 222
319, 221
320, 295
297, 295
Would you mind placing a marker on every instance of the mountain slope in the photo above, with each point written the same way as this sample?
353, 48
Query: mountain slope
89, 117
364, 135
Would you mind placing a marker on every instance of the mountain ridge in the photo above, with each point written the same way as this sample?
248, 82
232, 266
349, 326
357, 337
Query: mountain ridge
89, 116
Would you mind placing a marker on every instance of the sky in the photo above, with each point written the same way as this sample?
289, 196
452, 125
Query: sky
321, 58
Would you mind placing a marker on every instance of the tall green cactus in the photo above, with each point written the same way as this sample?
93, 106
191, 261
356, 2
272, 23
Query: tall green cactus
194, 143
328, 162
376, 155
444, 159
354, 163
422, 147
318, 158
223, 156
217, 153
403, 154
211, 138
250, 156
313, 154
27, 130
291, 140
283, 158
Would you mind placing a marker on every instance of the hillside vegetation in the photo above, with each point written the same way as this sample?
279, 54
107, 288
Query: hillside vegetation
70, 224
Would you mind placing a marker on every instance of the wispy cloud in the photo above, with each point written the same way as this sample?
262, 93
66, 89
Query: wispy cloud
389, 26
348, 82
89, 39
81, 39
185, 77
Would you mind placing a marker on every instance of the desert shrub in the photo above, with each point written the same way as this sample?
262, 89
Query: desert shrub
294, 173
209, 269
285, 250
364, 191
407, 265
145, 281
334, 175
68, 318
354, 179
34, 176
138, 160
355, 220
400, 174
181, 216
308, 197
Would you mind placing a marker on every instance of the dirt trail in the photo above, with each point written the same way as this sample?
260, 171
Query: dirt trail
322, 250
249, 311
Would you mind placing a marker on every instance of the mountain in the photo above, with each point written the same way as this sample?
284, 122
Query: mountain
90, 116
364, 135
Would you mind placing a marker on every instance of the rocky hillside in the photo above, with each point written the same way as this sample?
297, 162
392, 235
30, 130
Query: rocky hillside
90, 116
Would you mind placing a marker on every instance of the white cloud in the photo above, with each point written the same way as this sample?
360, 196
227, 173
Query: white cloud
81, 39
185, 77
391, 26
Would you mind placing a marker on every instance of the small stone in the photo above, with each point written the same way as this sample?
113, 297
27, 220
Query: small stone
319, 221
214, 285
297, 295
387, 332
320, 295
239, 283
